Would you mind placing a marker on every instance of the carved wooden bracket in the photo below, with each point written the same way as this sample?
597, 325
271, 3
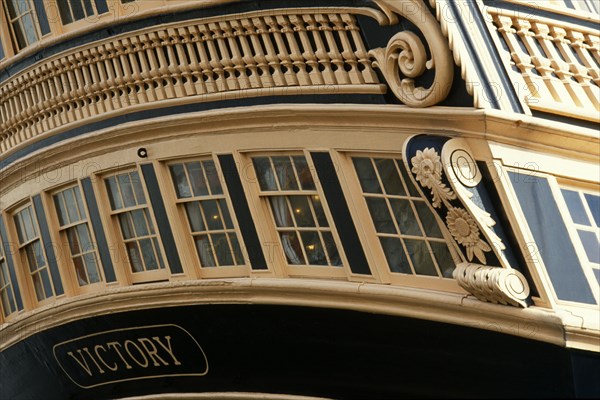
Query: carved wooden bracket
405, 57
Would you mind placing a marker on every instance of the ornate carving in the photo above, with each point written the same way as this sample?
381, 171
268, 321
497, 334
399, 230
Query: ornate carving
492, 284
465, 231
405, 57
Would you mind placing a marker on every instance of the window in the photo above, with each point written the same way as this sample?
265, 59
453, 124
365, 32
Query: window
30, 246
7, 296
407, 229
302, 226
129, 207
27, 20
200, 193
72, 218
584, 213
75, 10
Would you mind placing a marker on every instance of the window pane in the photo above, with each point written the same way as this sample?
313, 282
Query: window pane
12, 8
366, 175
134, 257
113, 191
80, 206
71, 205
77, 10
46, 283
594, 204
60, 209
264, 173
222, 249
291, 248
421, 257
304, 175
158, 253
320, 213
180, 181
301, 210
80, 271
281, 211
225, 214
126, 190
30, 228
237, 251
591, 245
213, 177
194, 217
197, 179
101, 6
443, 258
407, 180
139, 223
332, 251
147, 250
380, 215
405, 217
38, 287
84, 237
314, 248
73, 241
204, 251
395, 256
432, 229
575, 207
91, 267
136, 181
41, 16
126, 226
211, 213
89, 10
285, 173
20, 35
29, 28
389, 177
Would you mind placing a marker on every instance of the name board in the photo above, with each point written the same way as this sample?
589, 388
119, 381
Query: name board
131, 353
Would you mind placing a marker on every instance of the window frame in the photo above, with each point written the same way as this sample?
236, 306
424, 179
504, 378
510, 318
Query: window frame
369, 235
9, 285
36, 24
268, 227
182, 225
61, 231
121, 260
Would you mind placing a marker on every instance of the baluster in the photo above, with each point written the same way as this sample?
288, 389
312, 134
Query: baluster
236, 56
266, 80
320, 51
347, 53
271, 55
247, 60
334, 53
298, 62
308, 53
361, 52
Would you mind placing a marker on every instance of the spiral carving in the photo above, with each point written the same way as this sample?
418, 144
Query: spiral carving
405, 57
493, 284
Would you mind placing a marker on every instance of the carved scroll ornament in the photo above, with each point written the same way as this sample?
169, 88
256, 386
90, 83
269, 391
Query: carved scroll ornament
405, 57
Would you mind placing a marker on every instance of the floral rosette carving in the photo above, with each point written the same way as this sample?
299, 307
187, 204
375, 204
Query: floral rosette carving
427, 168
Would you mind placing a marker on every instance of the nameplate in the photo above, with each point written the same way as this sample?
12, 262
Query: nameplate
131, 353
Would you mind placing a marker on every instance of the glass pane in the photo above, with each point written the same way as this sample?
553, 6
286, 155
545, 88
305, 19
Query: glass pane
443, 258
302, 212
71, 205
304, 175
80, 206
222, 249
389, 177
73, 241
334, 256
597, 273
39, 289
46, 282
421, 257
405, 217
285, 173
197, 179
89, 10
84, 237
147, 250
237, 251
395, 256
113, 191
575, 206
29, 28
380, 215
213, 177
591, 245
91, 267
136, 181
225, 214
12, 8
158, 253
194, 216
134, 257
594, 204
21, 5
139, 223
291, 248
264, 173
314, 248
281, 211
126, 227
366, 175
320, 213
204, 251
60, 209
407, 180
77, 10
31, 258
180, 181
30, 226
80, 271
19, 34
126, 190
432, 229
211, 213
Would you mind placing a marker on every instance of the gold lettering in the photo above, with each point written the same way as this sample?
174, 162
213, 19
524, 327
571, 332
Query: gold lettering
99, 346
168, 349
152, 351
131, 342
94, 360
82, 362
114, 345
